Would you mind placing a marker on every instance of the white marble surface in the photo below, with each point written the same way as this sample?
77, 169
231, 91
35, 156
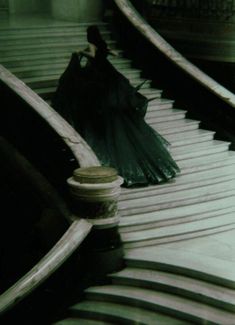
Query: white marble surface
221, 246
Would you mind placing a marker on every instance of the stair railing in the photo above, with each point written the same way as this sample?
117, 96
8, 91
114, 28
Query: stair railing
63, 249
79, 228
174, 56
82, 152
95, 200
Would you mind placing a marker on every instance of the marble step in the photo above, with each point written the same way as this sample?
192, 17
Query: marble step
116, 313
187, 263
197, 177
205, 178
51, 81
178, 198
175, 127
178, 232
46, 92
178, 215
204, 163
41, 48
153, 111
55, 68
165, 116
50, 38
80, 321
42, 28
187, 287
150, 92
198, 146
157, 104
190, 137
19, 63
198, 150
172, 305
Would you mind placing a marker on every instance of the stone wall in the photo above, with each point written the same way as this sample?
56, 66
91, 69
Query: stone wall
73, 10
78, 10
29, 6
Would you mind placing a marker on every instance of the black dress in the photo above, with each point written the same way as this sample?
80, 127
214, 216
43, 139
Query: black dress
108, 112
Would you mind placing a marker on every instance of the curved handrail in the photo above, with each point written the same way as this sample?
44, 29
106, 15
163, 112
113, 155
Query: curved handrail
82, 152
144, 28
70, 241
79, 229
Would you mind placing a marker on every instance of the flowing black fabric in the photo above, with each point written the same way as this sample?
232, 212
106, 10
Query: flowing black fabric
108, 112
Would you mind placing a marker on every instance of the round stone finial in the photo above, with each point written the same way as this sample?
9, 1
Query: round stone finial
95, 175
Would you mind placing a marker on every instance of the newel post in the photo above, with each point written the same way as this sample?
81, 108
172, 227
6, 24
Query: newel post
95, 192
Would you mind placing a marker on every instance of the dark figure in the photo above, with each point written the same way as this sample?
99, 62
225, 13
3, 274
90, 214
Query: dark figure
108, 112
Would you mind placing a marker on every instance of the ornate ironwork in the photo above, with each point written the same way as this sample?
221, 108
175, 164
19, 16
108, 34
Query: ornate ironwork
217, 9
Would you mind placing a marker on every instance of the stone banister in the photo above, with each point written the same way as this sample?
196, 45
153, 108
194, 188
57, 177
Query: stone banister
64, 248
149, 33
79, 228
82, 152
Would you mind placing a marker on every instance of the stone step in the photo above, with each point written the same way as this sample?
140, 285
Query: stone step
150, 91
201, 163
173, 216
190, 137
165, 116
187, 263
158, 104
80, 321
197, 146
178, 232
50, 38
196, 290
54, 68
198, 150
178, 198
47, 92
155, 220
41, 48
19, 63
31, 34
197, 177
131, 74
42, 28
116, 313
175, 127
194, 182
41, 85
186, 309
156, 110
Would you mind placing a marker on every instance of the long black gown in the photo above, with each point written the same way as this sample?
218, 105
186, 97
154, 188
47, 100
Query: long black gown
108, 112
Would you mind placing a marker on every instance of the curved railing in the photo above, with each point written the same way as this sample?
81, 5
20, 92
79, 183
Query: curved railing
78, 146
70, 241
78, 229
149, 33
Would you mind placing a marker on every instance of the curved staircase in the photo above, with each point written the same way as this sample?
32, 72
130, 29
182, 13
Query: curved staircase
167, 279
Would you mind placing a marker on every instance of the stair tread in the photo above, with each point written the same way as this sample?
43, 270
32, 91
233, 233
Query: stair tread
203, 209
174, 187
80, 321
123, 312
186, 286
180, 229
223, 185
184, 262
161, 301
